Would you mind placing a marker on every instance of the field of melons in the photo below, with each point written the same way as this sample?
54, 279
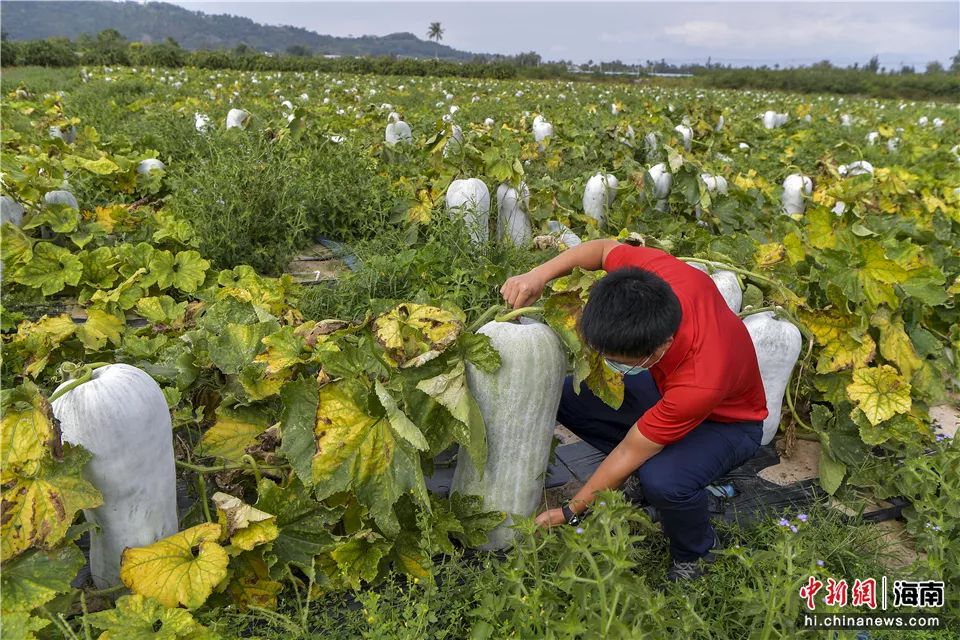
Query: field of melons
251, 450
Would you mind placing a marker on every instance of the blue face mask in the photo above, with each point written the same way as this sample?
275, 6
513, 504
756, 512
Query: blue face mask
624, 369
630, 370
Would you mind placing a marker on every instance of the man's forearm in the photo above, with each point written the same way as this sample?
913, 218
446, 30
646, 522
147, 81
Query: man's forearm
588, 255
633, 451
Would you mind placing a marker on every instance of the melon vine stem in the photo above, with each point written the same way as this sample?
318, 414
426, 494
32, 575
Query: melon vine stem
86, 612
96, 593
510, 315
751, 311
485, 316
226, 467
86, 373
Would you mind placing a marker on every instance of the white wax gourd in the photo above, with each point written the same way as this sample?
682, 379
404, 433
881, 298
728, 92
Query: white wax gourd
769, 119
598, 195
61, 196
519, 411
201, 122
686, 133
729, 288
857, 168
777, 344
470, 199
541, 131
68, 136
650, 143
662, 182
512, 219
237, 119
150, 164
795, 188
10, 211
121, 417
455, 142
714, 184
566, 236
397, 132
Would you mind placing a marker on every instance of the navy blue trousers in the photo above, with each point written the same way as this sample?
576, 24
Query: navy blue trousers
673, 480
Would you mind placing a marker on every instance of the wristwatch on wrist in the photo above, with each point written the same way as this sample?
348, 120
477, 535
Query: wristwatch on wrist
569, 515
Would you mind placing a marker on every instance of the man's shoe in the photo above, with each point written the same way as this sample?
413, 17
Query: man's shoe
633, 491
684, 571
695, 568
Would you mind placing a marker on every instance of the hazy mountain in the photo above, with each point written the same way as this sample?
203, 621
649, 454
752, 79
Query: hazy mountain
156, 21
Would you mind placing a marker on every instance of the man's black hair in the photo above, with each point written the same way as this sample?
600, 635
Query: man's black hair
630, 312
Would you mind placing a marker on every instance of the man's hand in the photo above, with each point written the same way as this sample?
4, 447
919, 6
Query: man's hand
521, 291
551, 518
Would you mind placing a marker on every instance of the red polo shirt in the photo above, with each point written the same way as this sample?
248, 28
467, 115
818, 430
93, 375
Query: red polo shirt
710, 372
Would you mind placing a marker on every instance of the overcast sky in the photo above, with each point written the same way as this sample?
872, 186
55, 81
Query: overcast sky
731, 32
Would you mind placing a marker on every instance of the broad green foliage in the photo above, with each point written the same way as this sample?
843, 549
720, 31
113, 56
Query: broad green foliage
182, 569
138, 617
313, 437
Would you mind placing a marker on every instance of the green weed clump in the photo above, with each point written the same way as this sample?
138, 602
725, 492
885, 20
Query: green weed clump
258, 201
434, 264
603, 580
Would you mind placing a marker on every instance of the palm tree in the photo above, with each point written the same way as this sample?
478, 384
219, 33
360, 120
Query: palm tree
435, 33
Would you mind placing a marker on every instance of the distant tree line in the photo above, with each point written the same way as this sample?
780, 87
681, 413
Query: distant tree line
109, 47
934, 67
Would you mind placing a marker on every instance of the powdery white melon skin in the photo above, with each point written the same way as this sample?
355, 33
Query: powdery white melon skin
729, 288
565, 235
519, 406
397, 132
662, 182
686, 133
237, 118
777, 344
61, 196
471, 199
599, 194
455, 143
11, 211
150, 164
541, 131
795, 187
121, 417
715, 184
512, 219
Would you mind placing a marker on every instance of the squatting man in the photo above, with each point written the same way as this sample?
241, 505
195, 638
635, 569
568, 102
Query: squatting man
693, 404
